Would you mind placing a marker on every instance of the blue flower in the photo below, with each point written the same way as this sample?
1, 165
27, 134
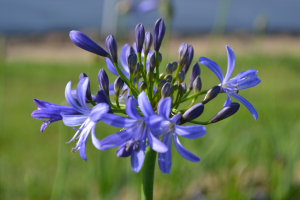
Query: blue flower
243, 80
51, 112
168, 129
136, 133
82, 119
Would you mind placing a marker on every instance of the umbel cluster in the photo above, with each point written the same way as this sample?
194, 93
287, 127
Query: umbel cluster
144, 99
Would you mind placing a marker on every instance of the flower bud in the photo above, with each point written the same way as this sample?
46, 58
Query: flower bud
225, 112
211, 94
192, 113
151, 60
175, 65
88, 90
112, 48
189, 59
161, 84
84, 42
143, 86
139, 37
137, 69
182, 53
169, 68
103, 81
131, 62
154, 77
159, 33
182, 88
181, 76
195, 72
166, 90
147, 42
169, 78
118, 85
129, 51
161, 76
197, 84
101, 97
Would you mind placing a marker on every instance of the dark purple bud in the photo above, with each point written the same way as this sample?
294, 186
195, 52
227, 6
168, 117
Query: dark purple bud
211, 94
118, 85
143, 86
166, 90
168, 78
131, 62
182, 88
139, 37
161, 84
103, 81
192, 113
151, 60
88, 91
147, 42
112, 48
195, 72
225, 112
197, 84
84, 42
175, 65
189, 59
159, 33
124, 150
137, 69
169, 68
181, 76
101, 97
182, 53
129, 51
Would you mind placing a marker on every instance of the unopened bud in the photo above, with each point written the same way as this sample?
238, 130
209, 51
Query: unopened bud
101, 97
161, 76
182, 88
195, 72
169, 68
147, 42
169, 78
181, 76
137, 69
143, 86
192, 113
182, 53
139, 37
129, 51
161, 84
118, 86
103, 81
159, 33
166, 90
151, 60
225, 112
197, 84
175, 65
211, 94
189, 59
112, 48
131, 62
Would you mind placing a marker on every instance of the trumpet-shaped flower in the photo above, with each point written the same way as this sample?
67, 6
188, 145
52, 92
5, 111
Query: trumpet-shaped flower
168, 129
133, 139
82, 119
243, 80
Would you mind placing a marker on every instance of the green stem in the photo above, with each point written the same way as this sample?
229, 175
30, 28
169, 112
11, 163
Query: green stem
148, 174
117, 101
157, 68
194, 95
176, 74
202, 123
119, 111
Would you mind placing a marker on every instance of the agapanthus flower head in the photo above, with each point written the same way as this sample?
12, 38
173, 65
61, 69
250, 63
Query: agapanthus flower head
243, 80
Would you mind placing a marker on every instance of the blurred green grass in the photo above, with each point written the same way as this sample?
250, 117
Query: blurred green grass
241, 158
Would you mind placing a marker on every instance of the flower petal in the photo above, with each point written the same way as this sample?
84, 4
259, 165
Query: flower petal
81, 92
156, 122
248, 83
165, 159
98, 110
164, 107
137, 157
115, 120
118, 138
111, 89
183, 152
131, 109
96, 142
82, 151
71, 101
247, 104
230, 63
214, 67
155, 144
123, 57
190, 131
111, 67
73, 120
228, 100
145, 105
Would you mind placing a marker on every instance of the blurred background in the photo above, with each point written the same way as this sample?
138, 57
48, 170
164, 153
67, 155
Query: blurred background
241, 158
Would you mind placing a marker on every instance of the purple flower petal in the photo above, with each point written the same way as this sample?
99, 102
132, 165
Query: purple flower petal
228, 100
81, 92
183, 152
165, 159
115, 120
123, 57
155, 144
155, 122
73, 120
145, 105
247, 104
111, 67
137, 157
131, 109
164, 108
82, 151
190, 131
96, 142
98, 110
230, 63
248, 82
111, 89
71, 101
214, 67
